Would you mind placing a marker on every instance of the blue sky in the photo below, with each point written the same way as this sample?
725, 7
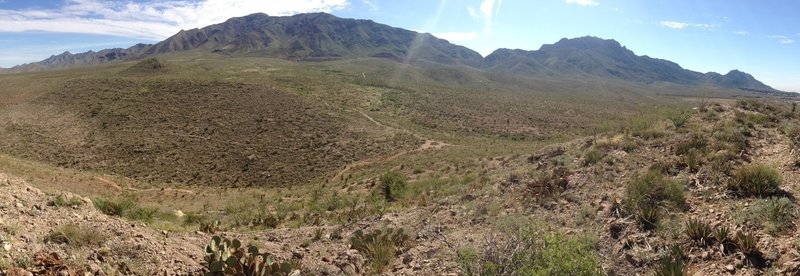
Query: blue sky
758, 37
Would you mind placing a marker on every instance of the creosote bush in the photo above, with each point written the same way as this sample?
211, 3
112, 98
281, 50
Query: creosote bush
756, 180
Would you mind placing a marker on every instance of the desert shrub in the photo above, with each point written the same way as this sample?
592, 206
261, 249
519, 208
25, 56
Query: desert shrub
128, 208
549, 184
115, 206
522, 247
755, 180
62, 201
380, 247
752, 119
75, 236
645, 194
774, 214
654, 189
392, 184
731, 138
695, 142
673, 263
692, 160
592, 156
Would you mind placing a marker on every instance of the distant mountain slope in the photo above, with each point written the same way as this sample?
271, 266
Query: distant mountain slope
320, 36
595, 57
302, 36
317, 35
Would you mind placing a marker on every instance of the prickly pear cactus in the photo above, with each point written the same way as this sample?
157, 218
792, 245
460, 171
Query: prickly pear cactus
228, 257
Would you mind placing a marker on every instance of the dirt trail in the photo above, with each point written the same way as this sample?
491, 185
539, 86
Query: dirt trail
429, 144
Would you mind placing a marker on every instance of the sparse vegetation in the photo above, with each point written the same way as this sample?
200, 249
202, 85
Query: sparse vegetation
381, 247
75, 236
646, 193
673, 263
775, 214
64, 201
756, 180
592, 156
522, 248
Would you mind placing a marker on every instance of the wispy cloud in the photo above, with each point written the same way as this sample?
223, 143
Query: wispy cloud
782, 39
487, 11
153, 19
674, 24
583, 2
683, 25
371, 4
742, 33
457, 36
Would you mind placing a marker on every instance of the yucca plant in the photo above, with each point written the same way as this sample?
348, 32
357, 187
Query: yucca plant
699, 231
746, 243
723, 236
647, 216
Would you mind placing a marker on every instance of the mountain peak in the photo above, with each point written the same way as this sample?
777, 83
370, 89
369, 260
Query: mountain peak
585, 42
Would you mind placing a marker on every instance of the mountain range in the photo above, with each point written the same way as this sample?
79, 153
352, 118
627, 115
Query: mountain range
321, 36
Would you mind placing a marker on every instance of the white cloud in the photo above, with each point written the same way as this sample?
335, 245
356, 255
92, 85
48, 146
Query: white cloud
457, 36
487, 11
683, 25
154, 20
742, 33
782, 39
674, 24
583, 2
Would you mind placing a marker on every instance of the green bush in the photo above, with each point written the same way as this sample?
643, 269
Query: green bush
392, 185
128, 208
654, 189
115, 207
592, 156
756, 180
774, 214
62, 201
524, 248
646, 194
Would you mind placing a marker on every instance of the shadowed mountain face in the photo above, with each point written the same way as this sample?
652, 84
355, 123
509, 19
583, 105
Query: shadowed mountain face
321, 36
599, 58
316, 36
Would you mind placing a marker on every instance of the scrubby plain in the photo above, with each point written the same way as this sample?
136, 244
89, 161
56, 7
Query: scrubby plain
319, 164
